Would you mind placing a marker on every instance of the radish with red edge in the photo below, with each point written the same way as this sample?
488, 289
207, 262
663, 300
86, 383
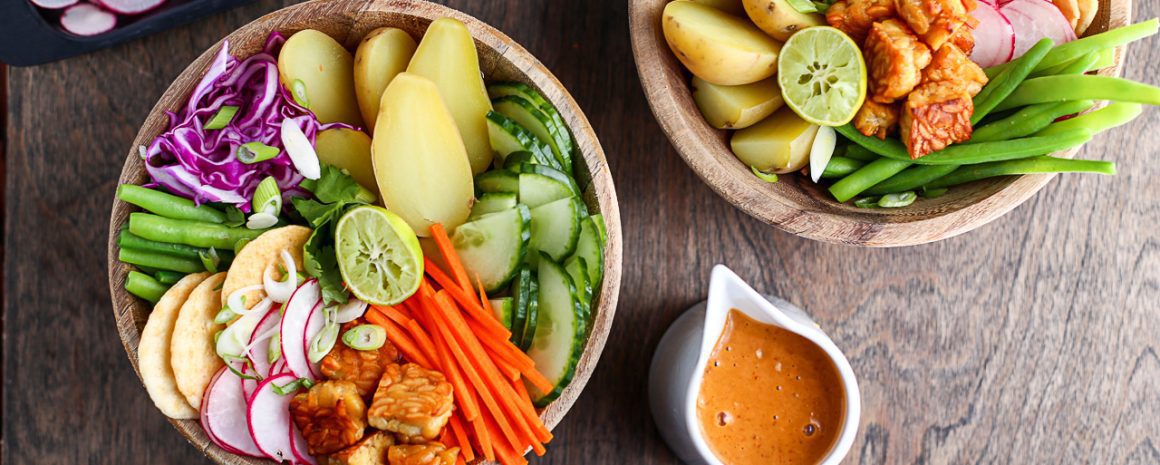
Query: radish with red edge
314, 327
1034, 20
249, 382
258, 348
298, 446
54, 4
131, 7
224, 415
994, 37
269, 418
295, 321
86, 19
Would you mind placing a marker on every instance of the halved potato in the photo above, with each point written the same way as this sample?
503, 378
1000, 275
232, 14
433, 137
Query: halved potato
381, 55
778, 19
447, 57
191, 352
718, 47
778, 144
350, 150
736, 107
153, 358
732, 7
419, 160
325, 72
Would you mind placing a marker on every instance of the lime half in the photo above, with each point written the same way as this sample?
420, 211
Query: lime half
822, 75
378, 255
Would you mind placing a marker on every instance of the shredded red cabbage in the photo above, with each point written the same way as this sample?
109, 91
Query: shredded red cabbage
200, 163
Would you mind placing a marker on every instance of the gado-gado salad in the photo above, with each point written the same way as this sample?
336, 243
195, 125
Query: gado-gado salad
374, 258
888, 100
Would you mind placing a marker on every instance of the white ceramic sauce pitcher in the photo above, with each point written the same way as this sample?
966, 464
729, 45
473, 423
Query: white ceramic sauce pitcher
679, 364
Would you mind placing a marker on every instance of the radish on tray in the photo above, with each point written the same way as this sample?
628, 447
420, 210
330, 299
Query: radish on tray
86, 19
131, 7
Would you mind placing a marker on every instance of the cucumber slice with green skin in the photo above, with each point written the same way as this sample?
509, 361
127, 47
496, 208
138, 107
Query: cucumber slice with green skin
556, 228
504, 308
521, 291
531, 320
518, 158
498, 181
508, 136
577, 269
493, 202
550, 172
526, 92
560, 331
537, 190
599, 220
591, 249
531, 118
493, 247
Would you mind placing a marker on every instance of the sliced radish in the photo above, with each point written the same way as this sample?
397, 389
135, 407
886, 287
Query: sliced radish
994, 37
296, 319
223, 415
352, 310
86, 19
278, 368
313, 327
131, 7
258, 349
54, 4
298, 446
269, 418
249, 385
1033, 20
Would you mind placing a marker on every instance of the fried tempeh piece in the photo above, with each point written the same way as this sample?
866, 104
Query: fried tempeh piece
936, 115
422, 454
331, 416
895, 59
371, 450
952, 67
364, 368
411, 401
935, 20
877, 119
855, 17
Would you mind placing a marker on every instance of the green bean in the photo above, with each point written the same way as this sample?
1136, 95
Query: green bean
1105, 118
1080, 65
992, 96
160, 261
860, 153
910, 179
168, 205
841, 166
1045, 164
1080, 87
128, 240
193, 233
966, 154
1098, 42
1105, 58
866, 177
1028, 121
168, 277
145, 287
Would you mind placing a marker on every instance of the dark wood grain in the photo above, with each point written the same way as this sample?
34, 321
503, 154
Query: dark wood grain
1031, 340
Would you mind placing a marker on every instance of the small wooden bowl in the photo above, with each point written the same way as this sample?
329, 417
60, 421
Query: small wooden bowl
348, 21
794, 203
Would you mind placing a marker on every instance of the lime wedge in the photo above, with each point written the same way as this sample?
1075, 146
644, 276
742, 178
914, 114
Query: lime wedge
378, 255
822, 76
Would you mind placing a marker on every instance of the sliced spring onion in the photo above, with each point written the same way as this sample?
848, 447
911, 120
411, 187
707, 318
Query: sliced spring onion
365, 337
142, 152
821, 151
280, 291
235, 340
866, 202
261, 220
275, 352
222, 118
804, 7
267, 197
237, 300
293, 386
350, 311
767, 177
254, 341
245, 364
210, 259
301, 152
298, 92
898, 200
224, 316
325, 339
254, 152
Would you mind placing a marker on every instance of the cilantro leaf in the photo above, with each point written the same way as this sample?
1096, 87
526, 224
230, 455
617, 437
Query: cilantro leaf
335, 192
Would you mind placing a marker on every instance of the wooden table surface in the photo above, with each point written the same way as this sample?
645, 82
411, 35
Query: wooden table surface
1031, 340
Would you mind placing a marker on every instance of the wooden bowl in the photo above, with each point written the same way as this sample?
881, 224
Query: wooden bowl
794, 203
348, 21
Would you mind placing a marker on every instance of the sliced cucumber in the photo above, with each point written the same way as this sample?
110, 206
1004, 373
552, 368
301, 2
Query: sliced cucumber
556, 228
493, 202
533, 119
498, 181
560, 331
526, 92
599, 220
531, 320
578, 270
504, 308
508, 136
550, 172
493, 247
591, 248
521, 291
518, 158
537, 189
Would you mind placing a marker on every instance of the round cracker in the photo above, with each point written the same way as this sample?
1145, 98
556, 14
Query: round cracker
1088, 9
153, 351
192, 351
265, 250
1070, 10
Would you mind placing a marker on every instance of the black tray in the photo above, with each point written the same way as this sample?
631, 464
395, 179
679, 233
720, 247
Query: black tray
28, 38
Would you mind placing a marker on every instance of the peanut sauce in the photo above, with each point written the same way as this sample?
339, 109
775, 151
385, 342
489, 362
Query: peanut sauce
769, 396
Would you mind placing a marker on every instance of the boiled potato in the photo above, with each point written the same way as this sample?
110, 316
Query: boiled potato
419, 159
778, 19
348, 150
718, 47
381, 55
325, 70
447, 57
732, 7
778, 144
736, 107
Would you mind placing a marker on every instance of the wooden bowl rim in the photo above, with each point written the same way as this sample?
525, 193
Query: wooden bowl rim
662, 80
130, 312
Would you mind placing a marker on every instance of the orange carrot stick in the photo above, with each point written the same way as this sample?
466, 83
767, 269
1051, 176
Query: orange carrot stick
508, 455
462, 391
466, 299
461, 438
399, 338
393, 313
529, 412
449, 256
484, 438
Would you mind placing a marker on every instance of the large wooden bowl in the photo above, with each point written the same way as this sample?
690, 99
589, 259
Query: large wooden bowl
794, 203
348, 21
